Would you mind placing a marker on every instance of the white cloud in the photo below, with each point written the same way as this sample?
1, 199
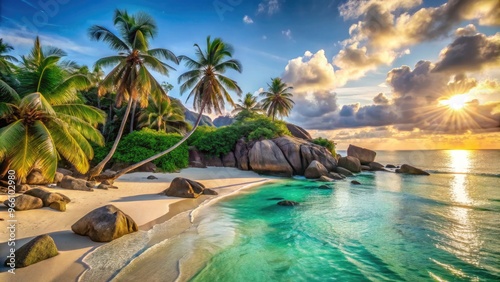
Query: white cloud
247, 20
287, 33
269, 6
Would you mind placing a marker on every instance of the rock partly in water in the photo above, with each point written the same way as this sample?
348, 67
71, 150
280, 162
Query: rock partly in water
350, 163
315, 170
24, 202
209, 192
105, 224
267, 158
365, 156
40, 248
336, 176
390, 166
325, 179
288, 203
408, 169
355, 182
69, 182
152, 177
184, 188
365, 167
374, 166
343, 171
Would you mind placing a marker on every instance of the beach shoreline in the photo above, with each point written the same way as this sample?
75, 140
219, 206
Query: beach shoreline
136, 196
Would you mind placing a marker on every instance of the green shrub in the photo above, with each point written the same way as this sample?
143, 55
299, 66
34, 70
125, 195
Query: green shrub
247, 126
220, 141
100, 152
330, 145
200, 131
140, 145
265, 133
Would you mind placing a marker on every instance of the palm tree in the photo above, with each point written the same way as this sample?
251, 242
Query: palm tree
165, 115
130, 78
277, 100
45, 117
6, 60
208, 86
247, 104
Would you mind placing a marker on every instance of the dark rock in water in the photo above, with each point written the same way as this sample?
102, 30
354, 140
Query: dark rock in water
184, 188
325, 179
343, 171
266, 157
298, 131
336, 176
408, 169
40, 248
275, 199
315, 170
209, 192
374, 166
350, 163
59, 206
47, 197
365, 156
152, 177
105, 224
325, 187
288, 203
355, 182
25, 202
390, 166
365, 167
69, 182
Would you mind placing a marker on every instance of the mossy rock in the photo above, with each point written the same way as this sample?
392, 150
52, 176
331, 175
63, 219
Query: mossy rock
58, 206
40, 248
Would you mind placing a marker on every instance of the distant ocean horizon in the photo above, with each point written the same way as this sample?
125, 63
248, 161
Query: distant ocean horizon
392, 227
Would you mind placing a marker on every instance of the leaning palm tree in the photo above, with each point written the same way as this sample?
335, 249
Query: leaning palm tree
277, 100
130, 78
209, 87
165, 115
247, 104
45, 118
6, 61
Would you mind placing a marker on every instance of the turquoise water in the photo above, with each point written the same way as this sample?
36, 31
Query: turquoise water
391, 228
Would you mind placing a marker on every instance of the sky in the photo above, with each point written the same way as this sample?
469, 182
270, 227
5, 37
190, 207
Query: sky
383, 74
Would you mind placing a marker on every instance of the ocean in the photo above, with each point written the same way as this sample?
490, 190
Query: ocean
392, 227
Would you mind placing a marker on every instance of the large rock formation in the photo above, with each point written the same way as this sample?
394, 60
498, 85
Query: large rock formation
40, 248
267, 158
350, 163
298, 131
184, 188
365, 156
241, 155
105, 224
408, 169
291, 149
315, 170
228, 160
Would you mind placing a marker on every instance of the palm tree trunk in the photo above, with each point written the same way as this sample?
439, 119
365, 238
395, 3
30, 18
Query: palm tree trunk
134, 166
98, 168
132, 116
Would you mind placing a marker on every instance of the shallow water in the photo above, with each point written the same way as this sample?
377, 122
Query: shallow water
391, 228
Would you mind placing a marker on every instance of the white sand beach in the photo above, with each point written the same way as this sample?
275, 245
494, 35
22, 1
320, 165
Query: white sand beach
136, 196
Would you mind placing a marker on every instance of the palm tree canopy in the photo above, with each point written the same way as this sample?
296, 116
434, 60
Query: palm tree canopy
248, 103
165, 115
131, 78
6, 60
277, 99
209, 85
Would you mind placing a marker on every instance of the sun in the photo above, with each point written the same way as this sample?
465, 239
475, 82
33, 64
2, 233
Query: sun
456, 102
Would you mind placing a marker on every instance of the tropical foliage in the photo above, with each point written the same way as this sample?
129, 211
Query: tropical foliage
45, 117
165, 115
277, 99
330, 145
131, 76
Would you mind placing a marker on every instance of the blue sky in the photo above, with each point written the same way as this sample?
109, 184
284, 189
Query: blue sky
351, 46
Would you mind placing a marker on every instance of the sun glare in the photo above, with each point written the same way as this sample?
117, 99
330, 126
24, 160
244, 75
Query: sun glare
456, 102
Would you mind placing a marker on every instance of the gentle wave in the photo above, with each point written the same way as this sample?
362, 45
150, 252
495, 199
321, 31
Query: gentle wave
468, 173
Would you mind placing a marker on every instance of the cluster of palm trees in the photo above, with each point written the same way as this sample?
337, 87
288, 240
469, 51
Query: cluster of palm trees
44, 117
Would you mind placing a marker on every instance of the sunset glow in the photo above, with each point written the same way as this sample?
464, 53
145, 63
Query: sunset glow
456, 102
